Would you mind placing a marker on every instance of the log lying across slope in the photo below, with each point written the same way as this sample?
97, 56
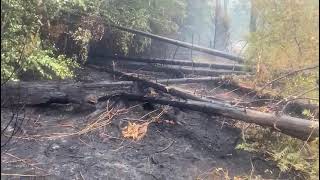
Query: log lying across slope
193, 80
203, 71
235, 67
180, 69
35, 93
66, 92
295, 127
163, 88
182, 44
166, 89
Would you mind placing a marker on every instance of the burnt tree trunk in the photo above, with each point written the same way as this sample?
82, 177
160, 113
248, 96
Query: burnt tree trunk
182, 44
221, 26
235, 67
69, 92
37, 93
166, 89
180, 71
295, 127
41, 93
253, 17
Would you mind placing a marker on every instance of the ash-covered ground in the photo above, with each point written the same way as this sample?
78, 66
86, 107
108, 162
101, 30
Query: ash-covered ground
61, 142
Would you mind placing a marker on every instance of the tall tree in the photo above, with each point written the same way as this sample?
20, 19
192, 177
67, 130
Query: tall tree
253, 17
221, 24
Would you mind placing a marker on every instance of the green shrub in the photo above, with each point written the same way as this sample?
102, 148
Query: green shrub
31, 31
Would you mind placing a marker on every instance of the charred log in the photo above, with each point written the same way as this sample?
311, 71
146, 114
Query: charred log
166, 89
180, 70
182, 44
45, 93
296, 127
33, 93
235, 67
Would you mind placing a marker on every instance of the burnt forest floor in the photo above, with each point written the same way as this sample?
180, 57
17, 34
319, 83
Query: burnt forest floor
57, 142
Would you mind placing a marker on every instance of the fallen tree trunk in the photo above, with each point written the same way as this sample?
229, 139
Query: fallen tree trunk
182, 44
282, 123
295, 127
67, 92
139, 67
203, 71
192, 80
38, 93
180, 70
166, 89
104, 84
234, 67
35, 93
155, 85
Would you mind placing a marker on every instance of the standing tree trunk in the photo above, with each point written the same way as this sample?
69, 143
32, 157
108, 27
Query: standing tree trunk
217, 12
253, 17
221, 23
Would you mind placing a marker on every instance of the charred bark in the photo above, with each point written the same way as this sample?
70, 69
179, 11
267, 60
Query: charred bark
296, 127
183, 44
235, 67
45, 93
180, 71
37, 93
42, 93
166, 89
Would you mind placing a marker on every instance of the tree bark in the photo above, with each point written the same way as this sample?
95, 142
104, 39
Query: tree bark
37, 93
253, 17
40, 93
182, 44
203, 71
166, 89
103, 84
192, 80
174, 91
295, 127
235, 67
221, 23
180, 71
216, 17
138, 66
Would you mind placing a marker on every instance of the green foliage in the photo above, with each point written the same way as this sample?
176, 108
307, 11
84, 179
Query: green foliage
22, 49
48, 66
289, 153
156, 16
32, 31
287, 38
82, 38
